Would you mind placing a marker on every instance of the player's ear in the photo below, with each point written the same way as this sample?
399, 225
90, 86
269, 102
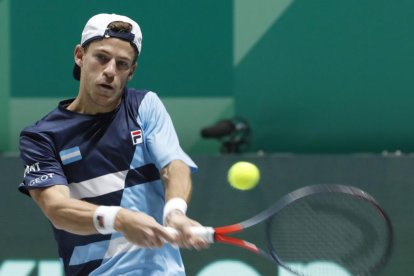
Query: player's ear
78, 55
132, 71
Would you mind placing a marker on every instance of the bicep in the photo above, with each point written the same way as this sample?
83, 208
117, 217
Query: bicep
175, 168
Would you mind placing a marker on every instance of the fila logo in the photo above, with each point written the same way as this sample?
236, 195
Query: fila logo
136, 136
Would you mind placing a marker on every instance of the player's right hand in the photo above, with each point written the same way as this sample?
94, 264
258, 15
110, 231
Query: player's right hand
141, 229
185, 238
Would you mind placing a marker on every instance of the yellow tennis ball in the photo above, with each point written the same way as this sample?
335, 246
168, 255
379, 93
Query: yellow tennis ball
243, 175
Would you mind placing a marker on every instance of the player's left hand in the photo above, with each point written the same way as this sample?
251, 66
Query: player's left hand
185, 238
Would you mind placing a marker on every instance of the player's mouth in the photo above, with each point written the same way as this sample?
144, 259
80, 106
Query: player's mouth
106, 86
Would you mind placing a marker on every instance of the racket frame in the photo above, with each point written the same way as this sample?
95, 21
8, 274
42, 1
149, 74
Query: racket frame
221, 233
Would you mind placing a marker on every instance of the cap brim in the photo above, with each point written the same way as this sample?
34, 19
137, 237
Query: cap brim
76, 72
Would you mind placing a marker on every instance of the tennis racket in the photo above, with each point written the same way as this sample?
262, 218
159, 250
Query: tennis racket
317, 230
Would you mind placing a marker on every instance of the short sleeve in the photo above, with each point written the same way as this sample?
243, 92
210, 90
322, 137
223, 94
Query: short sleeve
41, 167
160, 136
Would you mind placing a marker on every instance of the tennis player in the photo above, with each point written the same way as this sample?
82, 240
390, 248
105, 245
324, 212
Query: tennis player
106, 168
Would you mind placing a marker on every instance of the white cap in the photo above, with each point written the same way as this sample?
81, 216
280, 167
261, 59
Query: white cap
97, 28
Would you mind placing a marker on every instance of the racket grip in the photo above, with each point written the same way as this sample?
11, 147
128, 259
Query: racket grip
206, 233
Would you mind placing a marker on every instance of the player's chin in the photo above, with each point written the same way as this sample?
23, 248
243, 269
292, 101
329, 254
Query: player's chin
107, 100
108, 93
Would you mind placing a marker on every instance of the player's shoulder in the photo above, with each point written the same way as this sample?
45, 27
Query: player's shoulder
51, 122
133, 93
138, 96
44, 124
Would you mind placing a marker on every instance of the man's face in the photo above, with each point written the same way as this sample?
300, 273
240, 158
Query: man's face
106, 66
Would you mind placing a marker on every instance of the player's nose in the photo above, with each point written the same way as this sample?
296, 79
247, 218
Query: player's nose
110, 68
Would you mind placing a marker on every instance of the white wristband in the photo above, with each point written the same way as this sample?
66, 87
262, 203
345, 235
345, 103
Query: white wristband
104, 219
173, 204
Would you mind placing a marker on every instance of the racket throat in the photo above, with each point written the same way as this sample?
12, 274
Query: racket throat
237, 242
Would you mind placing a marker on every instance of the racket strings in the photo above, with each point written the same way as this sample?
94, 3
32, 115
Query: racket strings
336, 231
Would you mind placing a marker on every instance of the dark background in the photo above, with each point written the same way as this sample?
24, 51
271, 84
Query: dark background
27, 234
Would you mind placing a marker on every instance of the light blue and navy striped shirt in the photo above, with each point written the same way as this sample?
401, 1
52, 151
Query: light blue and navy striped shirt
108, 159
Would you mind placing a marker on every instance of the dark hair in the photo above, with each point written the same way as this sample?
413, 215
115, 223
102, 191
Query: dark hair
119, 26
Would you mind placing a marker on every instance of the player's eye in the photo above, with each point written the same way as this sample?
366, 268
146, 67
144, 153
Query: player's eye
102, 58
122, 65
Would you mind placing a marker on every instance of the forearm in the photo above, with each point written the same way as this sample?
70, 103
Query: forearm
177, 180
77, 216
65, 213
178, 186
74, 216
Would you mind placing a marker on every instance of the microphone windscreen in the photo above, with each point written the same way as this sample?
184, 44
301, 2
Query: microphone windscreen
220, 129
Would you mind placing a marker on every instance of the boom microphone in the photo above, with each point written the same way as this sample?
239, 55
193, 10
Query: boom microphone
220, 129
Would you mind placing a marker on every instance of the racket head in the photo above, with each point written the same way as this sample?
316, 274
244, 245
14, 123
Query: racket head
327, 230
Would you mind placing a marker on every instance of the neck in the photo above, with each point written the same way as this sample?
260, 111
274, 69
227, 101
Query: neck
80, 105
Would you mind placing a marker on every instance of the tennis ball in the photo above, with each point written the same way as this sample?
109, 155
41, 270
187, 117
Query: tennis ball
243, 175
